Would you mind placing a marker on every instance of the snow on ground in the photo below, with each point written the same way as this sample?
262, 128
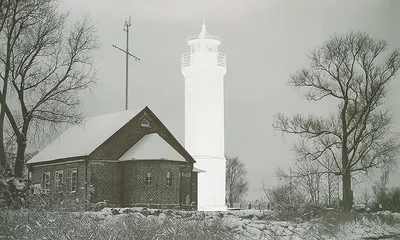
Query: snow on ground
259, 224
368, 229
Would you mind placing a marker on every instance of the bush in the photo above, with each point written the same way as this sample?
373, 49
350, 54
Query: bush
389, 199
13, 192
24, 224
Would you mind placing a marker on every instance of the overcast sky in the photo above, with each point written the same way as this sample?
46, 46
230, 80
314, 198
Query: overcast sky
264, 40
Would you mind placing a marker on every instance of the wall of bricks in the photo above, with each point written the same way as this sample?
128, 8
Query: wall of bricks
135, 189
186, 185
194, 187
107, 177
106, 180
39, 170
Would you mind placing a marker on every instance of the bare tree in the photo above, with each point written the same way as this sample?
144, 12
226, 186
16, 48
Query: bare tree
5, 13
358, 135
47, 66
318, 187
236, 184
380, 188
307, 179
366, 197
331, 189
284, 197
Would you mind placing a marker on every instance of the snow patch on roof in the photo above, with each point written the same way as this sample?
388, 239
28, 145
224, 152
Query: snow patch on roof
81, 140
152, 147
198, 170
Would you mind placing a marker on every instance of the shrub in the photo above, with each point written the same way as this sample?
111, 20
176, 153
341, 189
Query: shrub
25, 224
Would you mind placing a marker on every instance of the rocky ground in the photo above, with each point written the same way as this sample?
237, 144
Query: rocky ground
259, 224
152, 224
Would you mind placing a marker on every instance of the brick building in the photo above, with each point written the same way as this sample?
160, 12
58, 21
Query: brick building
128, 158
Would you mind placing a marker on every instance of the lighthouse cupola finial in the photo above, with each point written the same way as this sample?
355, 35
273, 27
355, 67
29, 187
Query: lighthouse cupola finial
204, 32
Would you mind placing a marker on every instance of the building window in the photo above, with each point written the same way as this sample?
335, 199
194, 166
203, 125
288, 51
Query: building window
72, 180
73, 186
169, 178
145, 123
46, 182
148, 179
59, 180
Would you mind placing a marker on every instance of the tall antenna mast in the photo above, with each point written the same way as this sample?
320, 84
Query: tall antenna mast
127, 53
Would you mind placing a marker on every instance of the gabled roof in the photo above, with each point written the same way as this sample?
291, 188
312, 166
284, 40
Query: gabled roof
95, 139
152, 147
81, 140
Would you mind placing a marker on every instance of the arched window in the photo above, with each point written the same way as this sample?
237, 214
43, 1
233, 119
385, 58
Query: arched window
148, 179
169, 178
145, 123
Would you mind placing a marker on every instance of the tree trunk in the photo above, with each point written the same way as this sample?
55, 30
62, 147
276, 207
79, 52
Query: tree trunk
329, 189
230, 200
346, 177
21, 148
19, 161
347, 192
3, 161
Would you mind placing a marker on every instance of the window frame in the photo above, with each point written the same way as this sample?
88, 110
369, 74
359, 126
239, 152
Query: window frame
71, 180
169, 178
57, 179
145, 123
46, 179
148, 179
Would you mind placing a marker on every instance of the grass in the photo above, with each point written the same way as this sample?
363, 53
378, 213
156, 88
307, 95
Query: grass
29, 224
79, 225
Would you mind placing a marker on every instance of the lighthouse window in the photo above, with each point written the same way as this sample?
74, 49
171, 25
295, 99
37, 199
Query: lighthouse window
210, 47
196, 47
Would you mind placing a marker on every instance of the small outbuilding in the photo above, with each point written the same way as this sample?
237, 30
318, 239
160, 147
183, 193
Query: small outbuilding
127, 158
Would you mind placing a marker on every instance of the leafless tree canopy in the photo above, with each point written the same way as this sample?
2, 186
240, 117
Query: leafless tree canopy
366, 197
236, 184
285, 197
319, 186
352, 70
44, 67
380, 187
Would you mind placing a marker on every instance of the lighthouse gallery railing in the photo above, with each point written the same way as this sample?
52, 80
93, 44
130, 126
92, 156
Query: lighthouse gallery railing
186, 59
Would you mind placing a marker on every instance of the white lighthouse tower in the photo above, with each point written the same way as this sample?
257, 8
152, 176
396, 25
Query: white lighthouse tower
204, 69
